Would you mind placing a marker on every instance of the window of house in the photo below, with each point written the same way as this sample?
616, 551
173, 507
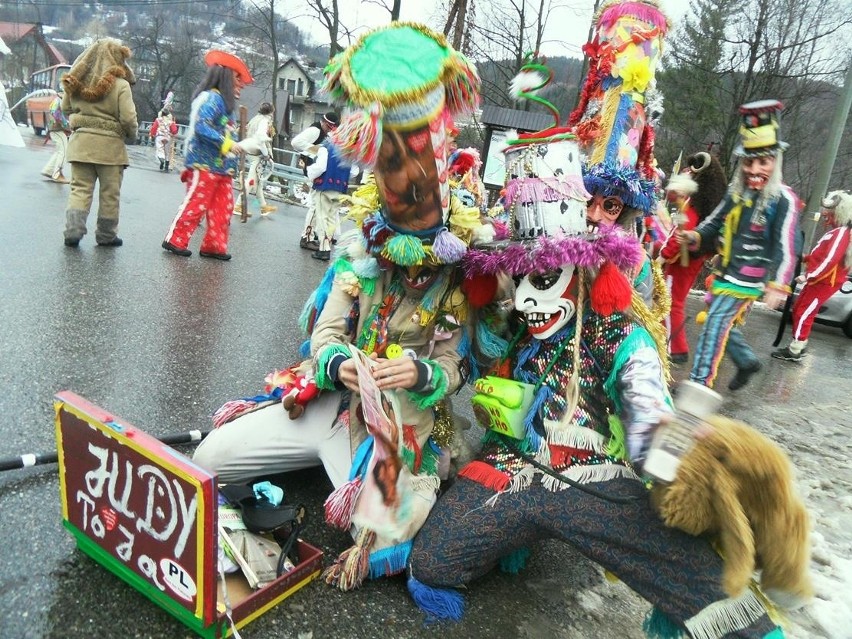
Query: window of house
282, 83
300, 90
291, 87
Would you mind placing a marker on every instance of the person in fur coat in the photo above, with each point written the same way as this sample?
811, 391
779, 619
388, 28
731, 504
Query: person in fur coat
102, 116
696, 190
826, 269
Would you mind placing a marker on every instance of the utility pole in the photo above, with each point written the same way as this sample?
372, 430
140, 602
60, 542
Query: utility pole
832, 145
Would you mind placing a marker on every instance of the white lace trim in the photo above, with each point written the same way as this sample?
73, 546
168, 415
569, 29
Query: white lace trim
726, 616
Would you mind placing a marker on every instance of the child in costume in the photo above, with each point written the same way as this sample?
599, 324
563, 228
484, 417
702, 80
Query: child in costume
58, 128
826, 269
211, 159
757, 224
695, 191
393, 292
258, 147
307, 144
163, 130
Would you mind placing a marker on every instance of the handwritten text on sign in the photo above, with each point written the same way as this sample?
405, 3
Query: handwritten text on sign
133, 508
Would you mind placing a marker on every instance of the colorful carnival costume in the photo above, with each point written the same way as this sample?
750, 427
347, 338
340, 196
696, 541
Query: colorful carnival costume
100, 109
393, 292
694, 192
210, 161
587, 389
58, 128
163, 130
570, 408
758, 225
826, 269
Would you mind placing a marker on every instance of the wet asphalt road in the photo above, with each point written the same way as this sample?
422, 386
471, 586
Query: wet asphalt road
163, 341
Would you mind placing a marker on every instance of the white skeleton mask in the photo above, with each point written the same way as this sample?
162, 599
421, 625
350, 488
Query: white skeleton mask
547, 301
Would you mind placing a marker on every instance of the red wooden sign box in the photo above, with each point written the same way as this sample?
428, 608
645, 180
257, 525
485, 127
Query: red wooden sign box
148, 514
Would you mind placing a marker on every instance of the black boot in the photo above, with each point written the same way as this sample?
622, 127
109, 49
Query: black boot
167, 166
162, 162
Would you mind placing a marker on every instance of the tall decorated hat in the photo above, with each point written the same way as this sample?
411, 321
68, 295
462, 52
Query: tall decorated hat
401, 86
545, 200
611, 119
759, 129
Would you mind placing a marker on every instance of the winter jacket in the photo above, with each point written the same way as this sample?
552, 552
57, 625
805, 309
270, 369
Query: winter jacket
101, 127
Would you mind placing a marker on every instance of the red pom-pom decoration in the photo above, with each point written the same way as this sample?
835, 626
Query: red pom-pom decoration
480, 289
611, 291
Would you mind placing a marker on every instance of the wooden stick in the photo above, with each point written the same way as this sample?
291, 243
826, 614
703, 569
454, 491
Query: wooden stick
242, 169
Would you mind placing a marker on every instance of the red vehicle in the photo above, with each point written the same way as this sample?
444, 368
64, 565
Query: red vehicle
38, 107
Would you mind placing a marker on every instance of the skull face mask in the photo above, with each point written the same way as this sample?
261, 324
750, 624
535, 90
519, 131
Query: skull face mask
548, 301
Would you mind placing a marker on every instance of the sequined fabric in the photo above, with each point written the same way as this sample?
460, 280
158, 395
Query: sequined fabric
551, 361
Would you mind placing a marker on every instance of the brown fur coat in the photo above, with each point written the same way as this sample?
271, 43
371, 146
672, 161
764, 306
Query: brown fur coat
738, 485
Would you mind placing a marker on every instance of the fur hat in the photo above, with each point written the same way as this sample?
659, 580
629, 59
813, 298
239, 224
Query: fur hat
94, 71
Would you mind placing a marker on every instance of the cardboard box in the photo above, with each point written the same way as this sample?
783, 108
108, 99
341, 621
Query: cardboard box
148, 514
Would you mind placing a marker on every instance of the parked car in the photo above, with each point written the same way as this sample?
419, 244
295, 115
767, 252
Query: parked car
837, 310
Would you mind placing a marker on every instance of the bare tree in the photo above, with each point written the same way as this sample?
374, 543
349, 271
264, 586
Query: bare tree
328, 14
167, 57
393, 7
499, 35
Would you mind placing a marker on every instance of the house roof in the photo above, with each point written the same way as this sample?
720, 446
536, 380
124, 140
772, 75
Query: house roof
12, 32
503, 118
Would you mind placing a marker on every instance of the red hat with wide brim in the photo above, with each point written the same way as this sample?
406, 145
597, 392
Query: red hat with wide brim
229, 61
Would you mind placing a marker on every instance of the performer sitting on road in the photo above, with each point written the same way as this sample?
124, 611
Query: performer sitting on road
826, 269
757, 224
394, 293
569, 432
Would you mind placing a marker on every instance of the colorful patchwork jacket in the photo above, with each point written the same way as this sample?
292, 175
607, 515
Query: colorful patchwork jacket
210, 135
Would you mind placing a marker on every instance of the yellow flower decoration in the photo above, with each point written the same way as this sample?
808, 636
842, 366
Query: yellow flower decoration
636, 75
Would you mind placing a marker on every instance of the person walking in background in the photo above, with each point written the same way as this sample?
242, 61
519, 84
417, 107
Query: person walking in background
758, 225
163, 130
307, 144
330, 174
58, 127
695, 191
211, 159
826, 269
257, 145
102, 116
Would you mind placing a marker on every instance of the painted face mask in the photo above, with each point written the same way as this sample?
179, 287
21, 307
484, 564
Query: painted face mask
603, 211
548, 301
756, 171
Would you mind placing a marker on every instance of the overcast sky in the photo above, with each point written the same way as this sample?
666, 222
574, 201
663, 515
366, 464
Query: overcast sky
566, 33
